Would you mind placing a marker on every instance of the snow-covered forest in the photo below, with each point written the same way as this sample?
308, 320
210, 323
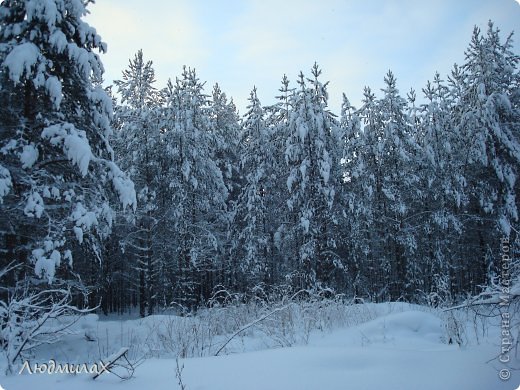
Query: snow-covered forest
140, 199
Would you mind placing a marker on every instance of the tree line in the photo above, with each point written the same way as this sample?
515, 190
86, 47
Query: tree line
395, 200
173, 197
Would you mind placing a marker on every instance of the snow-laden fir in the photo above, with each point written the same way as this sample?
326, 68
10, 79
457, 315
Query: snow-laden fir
137, 200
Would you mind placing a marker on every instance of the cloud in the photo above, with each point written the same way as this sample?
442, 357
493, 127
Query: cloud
244, 43
168, 33
355, 43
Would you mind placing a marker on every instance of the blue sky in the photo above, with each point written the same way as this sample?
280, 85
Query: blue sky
240, 44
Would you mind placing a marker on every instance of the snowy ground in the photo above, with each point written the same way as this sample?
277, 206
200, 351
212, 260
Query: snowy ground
395, 346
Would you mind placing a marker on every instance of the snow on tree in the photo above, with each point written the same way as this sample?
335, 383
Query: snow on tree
381, 181
59, 184
443, 193
313, 160
363, 193
397, 161
254, 236
226, 123
58, 178
279, 253
486, 117
392, 201
138, 142
198, 204
356, 192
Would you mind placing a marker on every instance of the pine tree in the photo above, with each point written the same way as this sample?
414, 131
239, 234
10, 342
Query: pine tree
277, 117
255, 229
58, 177
444, 194
382, 180
485, 89
226, 123
398, 164
314, 174
356, 195
198, 203
365, 201
138, 144
226, 137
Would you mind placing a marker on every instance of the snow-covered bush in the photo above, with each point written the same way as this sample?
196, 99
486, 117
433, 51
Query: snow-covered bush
240, 325
30, 319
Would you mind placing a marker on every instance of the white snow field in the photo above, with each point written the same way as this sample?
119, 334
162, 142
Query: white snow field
386, 346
